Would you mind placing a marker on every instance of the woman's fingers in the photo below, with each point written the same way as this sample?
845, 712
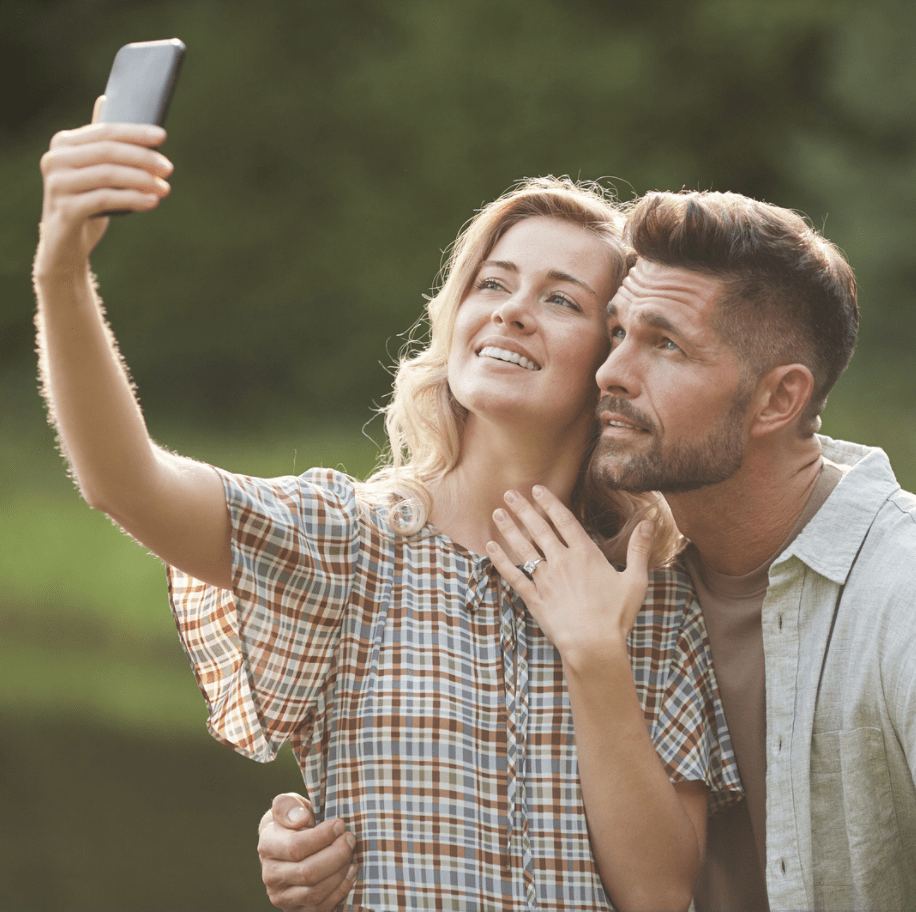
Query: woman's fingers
543, 531
91, 171
510, 572
147, 135
97, 108
575, 593
639, 548
635, 578
563, 520
65, 154
516, 536
108, 176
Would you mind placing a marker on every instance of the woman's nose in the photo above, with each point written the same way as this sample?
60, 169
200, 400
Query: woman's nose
514, 310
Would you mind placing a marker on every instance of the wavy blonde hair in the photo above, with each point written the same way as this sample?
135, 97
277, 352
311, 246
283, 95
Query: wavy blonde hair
424, 422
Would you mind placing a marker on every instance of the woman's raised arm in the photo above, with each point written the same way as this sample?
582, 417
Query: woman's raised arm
173, 506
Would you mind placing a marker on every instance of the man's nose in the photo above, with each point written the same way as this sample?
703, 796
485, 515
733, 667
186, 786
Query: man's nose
618, 374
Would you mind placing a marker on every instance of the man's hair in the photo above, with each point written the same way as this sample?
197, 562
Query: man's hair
424, 422
789, 294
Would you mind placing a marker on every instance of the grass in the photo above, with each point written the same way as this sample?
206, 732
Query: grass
105, 758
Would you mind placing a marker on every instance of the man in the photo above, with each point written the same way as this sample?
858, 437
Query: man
727, 336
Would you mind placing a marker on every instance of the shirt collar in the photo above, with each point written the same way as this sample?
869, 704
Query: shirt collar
831, 540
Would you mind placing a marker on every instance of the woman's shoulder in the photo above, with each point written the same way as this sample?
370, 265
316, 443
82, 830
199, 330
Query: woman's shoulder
671, 585
670, 610
286, 497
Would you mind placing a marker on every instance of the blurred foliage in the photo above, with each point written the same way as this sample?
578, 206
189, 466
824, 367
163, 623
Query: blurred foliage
327, 153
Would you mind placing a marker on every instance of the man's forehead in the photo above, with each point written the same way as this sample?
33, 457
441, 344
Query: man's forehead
664, 287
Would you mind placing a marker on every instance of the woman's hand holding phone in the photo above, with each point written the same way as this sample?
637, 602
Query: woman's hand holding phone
89, 172
110, 166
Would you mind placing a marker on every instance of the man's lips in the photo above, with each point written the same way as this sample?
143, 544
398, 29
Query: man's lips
610, 422
616, 422
621, 415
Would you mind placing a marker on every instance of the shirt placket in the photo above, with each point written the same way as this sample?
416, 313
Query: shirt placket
514, 642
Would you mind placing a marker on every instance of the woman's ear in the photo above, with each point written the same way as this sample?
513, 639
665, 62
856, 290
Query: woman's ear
781, 397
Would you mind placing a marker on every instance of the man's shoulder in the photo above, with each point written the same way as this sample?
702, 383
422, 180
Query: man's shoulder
866, 516
904, 502
868, 478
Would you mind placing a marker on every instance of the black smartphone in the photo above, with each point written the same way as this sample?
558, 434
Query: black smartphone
142, 82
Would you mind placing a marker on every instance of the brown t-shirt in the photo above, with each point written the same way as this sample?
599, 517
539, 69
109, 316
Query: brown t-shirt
733, 873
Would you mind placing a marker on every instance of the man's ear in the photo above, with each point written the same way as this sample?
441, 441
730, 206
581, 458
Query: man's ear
781, 397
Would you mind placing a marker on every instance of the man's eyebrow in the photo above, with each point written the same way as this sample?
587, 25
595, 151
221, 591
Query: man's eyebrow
658, 321
652, 318
556, 274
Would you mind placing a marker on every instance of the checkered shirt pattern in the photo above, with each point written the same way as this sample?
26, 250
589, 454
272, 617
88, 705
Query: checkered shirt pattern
425, 706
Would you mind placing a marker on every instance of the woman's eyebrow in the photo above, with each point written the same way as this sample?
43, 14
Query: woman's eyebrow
556, 274
566, 277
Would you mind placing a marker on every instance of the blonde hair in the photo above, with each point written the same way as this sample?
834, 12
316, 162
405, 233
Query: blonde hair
424, 422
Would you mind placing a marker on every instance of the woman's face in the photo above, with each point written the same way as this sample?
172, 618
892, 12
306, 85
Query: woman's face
531, 333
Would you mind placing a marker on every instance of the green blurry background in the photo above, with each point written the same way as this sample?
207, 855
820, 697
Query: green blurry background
326, 153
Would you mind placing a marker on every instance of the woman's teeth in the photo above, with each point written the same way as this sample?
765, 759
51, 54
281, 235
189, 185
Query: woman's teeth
500, 354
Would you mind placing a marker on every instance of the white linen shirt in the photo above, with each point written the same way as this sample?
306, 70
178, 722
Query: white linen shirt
839, 635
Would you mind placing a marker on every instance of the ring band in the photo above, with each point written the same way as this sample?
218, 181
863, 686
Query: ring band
528, 567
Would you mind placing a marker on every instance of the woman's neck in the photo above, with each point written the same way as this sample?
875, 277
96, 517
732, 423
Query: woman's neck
491, 464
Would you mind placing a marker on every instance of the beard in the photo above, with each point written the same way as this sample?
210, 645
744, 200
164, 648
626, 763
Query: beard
676, 468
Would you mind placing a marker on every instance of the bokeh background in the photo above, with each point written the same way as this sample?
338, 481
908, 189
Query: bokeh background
326, 154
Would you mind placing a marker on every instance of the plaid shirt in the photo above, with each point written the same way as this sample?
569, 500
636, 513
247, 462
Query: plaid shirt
425, 706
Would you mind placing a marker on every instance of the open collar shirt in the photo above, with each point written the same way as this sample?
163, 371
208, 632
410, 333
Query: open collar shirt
423, 703
839, 632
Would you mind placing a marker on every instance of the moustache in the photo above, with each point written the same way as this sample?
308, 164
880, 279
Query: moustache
625, 409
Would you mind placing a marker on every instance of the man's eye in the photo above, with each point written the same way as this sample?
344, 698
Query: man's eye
617, 335
670, 346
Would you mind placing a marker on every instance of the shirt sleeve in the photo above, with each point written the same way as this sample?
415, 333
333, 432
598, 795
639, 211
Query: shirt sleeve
262, 652
672, 665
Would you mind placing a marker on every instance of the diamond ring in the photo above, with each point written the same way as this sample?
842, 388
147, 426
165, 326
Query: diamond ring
528, 567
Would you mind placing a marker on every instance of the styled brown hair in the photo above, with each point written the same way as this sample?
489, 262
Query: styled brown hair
790, 295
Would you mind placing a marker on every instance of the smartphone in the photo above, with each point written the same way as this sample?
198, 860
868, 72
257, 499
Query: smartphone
142, 82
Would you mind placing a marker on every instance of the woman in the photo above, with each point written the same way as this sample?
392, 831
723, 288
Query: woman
362, 623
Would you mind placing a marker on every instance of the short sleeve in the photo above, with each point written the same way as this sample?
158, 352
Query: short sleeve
672, 665
262, 651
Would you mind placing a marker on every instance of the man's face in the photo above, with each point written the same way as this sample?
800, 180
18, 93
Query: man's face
673, 403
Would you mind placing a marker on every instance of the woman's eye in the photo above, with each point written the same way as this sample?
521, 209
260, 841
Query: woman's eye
488, 285
562, 301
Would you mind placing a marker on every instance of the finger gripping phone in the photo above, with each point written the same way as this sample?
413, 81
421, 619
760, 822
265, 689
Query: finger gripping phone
142, 82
